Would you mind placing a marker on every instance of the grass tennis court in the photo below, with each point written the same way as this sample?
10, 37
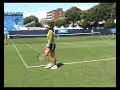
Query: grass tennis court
84, 61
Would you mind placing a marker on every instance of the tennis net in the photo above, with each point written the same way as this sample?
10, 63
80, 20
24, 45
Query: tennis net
32, 39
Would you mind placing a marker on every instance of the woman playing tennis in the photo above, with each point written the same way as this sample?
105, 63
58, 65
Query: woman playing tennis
50, 48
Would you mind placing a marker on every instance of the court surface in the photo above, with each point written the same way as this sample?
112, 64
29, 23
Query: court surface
83, 61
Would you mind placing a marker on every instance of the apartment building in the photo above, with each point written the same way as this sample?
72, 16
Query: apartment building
55, 14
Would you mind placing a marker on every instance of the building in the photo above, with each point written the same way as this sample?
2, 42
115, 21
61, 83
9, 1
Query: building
55, 14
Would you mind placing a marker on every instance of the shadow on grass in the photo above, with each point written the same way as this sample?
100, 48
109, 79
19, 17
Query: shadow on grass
60, 64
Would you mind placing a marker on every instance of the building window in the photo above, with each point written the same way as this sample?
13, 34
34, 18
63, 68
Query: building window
59, 14
59, 11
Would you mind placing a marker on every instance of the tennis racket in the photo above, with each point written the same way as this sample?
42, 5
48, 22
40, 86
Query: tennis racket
40, 56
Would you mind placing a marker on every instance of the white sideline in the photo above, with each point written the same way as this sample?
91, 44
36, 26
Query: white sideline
78, 62
31, 47
87, 46
19, 54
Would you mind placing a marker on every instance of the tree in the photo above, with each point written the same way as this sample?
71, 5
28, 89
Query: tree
100, 12
83, 14
38, 24
30, 19
60, 22
84, 24
73, 14
109, 23
51, 22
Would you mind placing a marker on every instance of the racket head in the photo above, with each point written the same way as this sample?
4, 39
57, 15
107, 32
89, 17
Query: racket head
40, 56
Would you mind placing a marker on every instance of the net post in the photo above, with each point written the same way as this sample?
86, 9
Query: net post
8, 37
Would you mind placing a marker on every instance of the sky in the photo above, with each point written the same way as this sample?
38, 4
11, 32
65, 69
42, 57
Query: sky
40, 9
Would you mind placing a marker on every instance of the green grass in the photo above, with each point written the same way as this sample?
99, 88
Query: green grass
69, 49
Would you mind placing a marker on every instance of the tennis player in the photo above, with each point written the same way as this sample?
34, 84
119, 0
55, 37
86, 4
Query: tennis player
50, 48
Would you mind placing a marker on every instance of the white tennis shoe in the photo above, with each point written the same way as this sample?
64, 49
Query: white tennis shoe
48, 65
54, 67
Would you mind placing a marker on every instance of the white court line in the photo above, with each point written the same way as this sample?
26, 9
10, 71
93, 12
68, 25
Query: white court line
31, 47
99, 42
36, 66
86, 46
79, 62
19, 55
91, 61
108, 43
66, 63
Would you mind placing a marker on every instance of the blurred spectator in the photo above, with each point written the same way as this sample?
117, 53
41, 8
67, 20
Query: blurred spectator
109, 31
92, 31
8, 37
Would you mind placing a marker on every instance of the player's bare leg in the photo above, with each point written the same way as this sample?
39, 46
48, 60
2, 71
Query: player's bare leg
54, 60
46, 52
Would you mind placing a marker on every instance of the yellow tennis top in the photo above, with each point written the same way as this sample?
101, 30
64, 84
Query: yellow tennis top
48, 37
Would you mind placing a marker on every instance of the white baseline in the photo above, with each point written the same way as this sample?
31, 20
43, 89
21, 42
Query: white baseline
79, 62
